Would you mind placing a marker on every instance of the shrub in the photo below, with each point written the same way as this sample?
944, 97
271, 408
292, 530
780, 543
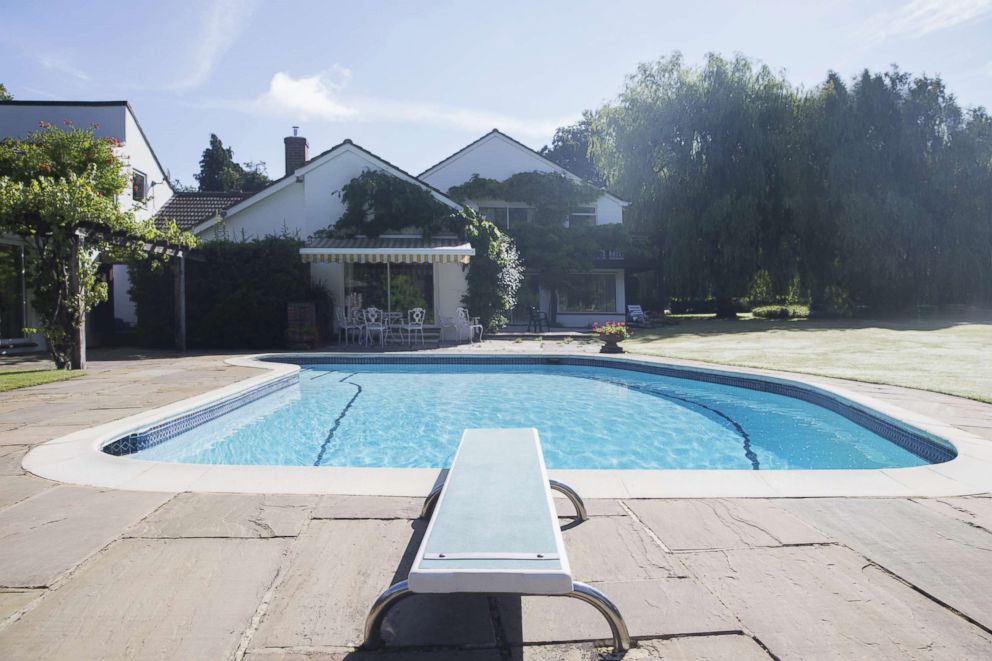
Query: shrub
789, 311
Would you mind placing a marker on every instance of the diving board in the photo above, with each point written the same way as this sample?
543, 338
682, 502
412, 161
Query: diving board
494, 530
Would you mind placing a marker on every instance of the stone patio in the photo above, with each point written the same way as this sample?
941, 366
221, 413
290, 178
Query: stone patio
92, 574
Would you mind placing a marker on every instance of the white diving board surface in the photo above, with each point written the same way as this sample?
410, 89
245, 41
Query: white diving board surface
494, 530
494, 527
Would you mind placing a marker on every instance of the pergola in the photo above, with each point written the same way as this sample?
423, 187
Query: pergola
174, 251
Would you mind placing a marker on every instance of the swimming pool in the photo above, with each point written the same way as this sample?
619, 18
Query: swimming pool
409, 412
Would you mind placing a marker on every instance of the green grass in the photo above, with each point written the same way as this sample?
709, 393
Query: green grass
14, 379
948, 356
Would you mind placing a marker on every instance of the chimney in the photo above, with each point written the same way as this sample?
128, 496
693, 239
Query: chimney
297, 151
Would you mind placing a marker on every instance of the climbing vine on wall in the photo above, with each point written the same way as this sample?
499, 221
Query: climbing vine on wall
550, 249
378, 203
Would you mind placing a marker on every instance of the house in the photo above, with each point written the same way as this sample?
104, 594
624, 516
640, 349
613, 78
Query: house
150, 190
398, 271
596, 295
402, 270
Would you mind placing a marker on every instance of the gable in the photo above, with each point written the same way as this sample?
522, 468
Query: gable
493, 156
308, 200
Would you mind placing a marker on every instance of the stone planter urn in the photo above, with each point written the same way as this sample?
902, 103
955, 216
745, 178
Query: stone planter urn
610, 344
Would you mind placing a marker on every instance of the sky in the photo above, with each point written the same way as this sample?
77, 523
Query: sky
416, 81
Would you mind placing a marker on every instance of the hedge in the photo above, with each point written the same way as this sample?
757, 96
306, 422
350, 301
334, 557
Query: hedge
236, 295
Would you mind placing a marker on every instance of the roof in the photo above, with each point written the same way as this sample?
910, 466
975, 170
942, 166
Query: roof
514, 141
28, 102
189, 209
285, 180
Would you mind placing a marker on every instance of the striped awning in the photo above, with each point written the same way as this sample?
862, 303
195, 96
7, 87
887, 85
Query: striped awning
394, 250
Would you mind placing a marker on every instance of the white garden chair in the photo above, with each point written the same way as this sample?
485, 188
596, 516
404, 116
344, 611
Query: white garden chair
346, 326
374, 323
414, 324
468, 324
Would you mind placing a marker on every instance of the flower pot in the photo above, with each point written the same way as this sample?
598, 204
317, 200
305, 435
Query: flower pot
610, 344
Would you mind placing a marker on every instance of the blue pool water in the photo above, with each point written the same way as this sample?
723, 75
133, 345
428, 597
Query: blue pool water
412, 415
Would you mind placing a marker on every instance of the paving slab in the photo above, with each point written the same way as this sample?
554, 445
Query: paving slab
689, 648
827, 601
973, 511
387, 654
937, 553
660, 607
10, 459
701, 648
723, 524
128, 603
614, 548
367, 507
38, 433
45, 536
594, 507
227, 515
336, 571
15, 488
11, 601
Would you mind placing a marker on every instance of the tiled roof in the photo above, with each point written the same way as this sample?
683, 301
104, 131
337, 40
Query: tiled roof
189, 209
362, 243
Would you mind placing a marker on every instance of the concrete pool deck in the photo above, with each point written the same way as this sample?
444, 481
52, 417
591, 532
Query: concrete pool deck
102, 573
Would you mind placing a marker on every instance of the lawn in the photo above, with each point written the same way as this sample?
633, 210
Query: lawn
948, 356
13, 379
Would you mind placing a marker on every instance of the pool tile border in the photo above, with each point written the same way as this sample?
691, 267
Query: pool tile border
78, 458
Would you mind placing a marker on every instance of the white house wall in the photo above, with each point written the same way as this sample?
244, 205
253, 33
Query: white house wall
497, 157
494, 157
450, 286
271, 215
301, 207
141, 158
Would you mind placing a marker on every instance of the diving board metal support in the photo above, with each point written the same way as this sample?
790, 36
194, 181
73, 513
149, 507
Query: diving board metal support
400, 591
580, 507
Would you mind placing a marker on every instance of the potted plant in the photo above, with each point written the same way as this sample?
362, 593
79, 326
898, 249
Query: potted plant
611, 333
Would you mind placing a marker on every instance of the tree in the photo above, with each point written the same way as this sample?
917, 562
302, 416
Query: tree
220, 172
4, 94
53, 186
570, 149
700, 152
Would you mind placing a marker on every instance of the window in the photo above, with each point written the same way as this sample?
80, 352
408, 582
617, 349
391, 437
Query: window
138, 186
582, 217
506, 218
589, 292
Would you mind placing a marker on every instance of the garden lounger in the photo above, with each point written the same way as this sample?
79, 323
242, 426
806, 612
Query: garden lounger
494, 530
636, 314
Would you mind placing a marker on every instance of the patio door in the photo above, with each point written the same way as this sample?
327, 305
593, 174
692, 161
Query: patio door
394, 287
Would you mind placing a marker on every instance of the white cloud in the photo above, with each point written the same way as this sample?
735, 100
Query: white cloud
923, 17
323, 97
308, 97
222, 24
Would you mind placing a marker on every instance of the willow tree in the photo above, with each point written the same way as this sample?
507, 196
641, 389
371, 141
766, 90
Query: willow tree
54, 187
701, 153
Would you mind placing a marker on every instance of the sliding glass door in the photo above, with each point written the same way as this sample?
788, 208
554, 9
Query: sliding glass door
394, 287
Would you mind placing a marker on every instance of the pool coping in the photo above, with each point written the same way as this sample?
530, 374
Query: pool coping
78, 458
